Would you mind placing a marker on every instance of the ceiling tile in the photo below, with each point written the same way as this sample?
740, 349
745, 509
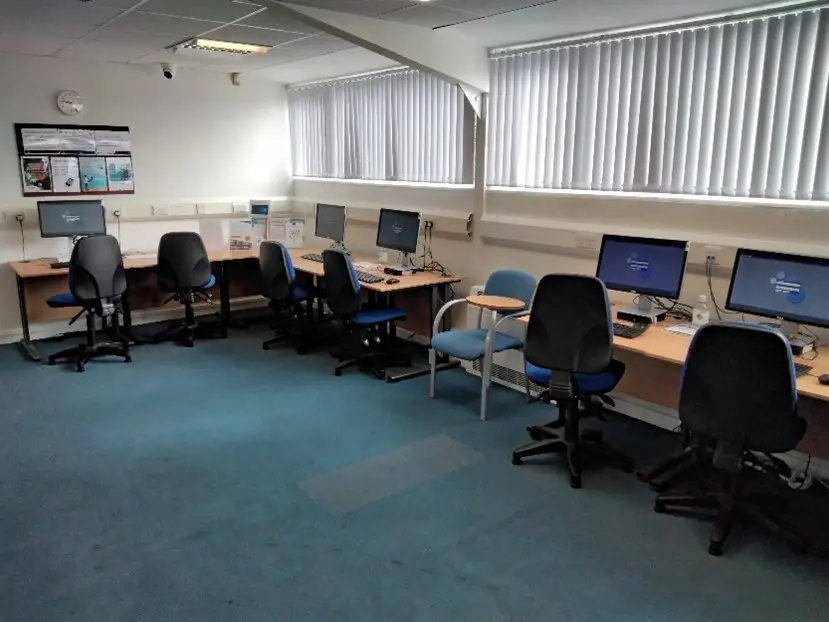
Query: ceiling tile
367, 8
163, 24
428, 16
307, 48
17, 40
216, 10
60, 18
118, 4
166, 56
484, 8
277, 21
255, 36
120, 46
349, 61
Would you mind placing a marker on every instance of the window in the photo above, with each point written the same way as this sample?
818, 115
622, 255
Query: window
734, 109
401, 126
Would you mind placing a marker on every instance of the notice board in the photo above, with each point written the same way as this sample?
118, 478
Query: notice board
74, 160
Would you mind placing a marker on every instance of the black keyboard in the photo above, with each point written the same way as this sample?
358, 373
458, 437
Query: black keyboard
367, 277
628, 331
801, 369
59, 264
363, 277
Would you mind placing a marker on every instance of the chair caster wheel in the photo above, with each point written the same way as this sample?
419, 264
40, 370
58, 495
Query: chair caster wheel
535, 434
627, 467
52, 361
715, 549
575, 482
128, 359
265, 346
658, 507
516, 460
79, 368
338, 372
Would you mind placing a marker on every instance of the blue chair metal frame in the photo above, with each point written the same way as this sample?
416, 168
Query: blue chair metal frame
479, 343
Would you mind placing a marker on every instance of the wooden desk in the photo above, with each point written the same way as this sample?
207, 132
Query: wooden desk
410, 291
653, 374
37, 281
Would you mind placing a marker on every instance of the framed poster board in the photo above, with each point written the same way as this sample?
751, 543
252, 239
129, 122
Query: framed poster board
74, 160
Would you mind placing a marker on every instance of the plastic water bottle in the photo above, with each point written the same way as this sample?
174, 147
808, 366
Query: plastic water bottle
700, 313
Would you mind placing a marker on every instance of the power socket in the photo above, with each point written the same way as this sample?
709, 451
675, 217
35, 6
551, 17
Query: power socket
21, 217
712, 255
116, 213
428, 224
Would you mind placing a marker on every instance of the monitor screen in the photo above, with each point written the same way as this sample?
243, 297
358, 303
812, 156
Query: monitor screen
789, 287
330, 222
642, 266
398, 230
66, 219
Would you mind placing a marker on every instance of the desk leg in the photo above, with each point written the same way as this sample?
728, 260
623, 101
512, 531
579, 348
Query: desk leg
26, 342
438, 296
224, 292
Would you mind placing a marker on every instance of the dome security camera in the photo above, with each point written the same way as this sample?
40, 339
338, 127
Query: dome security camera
169, 70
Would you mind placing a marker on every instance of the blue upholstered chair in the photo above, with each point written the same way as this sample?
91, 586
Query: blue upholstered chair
97, 282
739, 396
472, 344
285, 293
568, 349
184, 272
366, 338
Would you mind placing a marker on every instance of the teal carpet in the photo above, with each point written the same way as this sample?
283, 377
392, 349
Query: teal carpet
228, 483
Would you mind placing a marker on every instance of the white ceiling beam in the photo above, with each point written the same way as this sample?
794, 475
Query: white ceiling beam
450, 55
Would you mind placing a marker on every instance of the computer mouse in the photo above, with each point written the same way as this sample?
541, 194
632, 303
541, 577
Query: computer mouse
392, 281
824, 379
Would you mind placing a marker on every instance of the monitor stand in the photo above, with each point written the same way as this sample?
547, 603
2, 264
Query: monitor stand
403, 267
643, 313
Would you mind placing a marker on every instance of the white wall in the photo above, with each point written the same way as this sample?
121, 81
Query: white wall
195, 139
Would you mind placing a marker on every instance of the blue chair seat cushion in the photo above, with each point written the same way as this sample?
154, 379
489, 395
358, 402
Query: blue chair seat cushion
59, 301
469, 344
300, 292
370, 316
63, 300
587, 383
209, 284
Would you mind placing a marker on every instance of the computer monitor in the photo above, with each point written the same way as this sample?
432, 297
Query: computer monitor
792, 288
644, 266
66, 219
330, 223
398, 230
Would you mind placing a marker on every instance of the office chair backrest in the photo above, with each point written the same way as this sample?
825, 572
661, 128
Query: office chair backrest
183, 263
570, 327
512, 284
341, 284
96, 271
738, 384
277, 269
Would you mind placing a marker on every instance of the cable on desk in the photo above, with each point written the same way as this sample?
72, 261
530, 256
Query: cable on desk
679, 310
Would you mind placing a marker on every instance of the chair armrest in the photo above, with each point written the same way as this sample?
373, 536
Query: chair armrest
511, 316
442, 312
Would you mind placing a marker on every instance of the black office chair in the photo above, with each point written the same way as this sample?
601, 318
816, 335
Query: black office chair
366, 339
184, 272
738, 389
97, 283
286, 295
568, 348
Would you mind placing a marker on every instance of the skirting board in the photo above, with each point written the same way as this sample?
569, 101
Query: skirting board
47, 330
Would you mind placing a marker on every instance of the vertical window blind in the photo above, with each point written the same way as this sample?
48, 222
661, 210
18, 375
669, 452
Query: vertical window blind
401, 126
733, 109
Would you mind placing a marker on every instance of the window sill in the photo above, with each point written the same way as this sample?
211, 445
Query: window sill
658, 197
372, 182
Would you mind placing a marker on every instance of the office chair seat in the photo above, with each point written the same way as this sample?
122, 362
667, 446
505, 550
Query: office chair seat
469, 344
301, 292
603, 382
67, 300
369, 317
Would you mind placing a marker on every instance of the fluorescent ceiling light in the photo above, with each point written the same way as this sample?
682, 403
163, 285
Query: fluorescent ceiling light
213, 45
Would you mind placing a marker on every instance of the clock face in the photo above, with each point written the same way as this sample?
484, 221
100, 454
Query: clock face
70, 102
